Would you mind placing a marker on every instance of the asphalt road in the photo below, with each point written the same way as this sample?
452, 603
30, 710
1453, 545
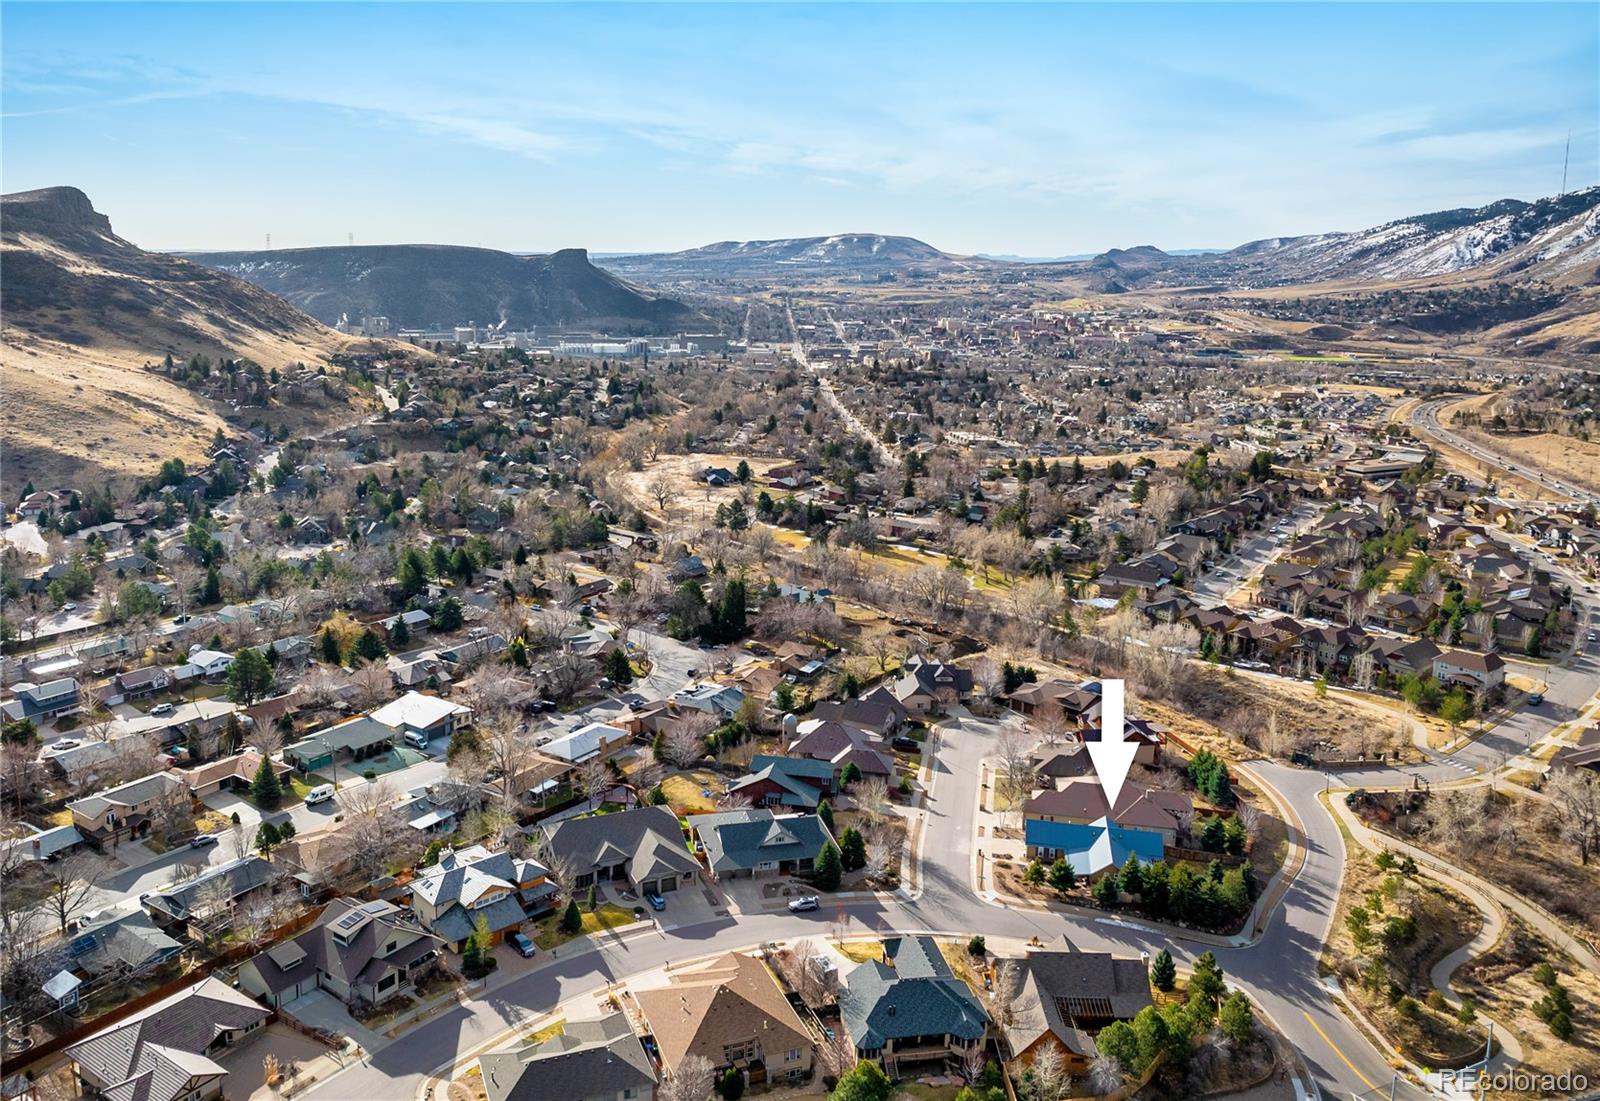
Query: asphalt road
1426, 417
1279, 971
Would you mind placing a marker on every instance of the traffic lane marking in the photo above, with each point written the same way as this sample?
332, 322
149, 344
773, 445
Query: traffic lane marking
1337, 1052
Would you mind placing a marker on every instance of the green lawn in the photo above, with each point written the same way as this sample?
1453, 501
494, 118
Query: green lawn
548, 933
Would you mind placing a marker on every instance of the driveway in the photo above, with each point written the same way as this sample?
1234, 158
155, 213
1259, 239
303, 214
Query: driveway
319, 1009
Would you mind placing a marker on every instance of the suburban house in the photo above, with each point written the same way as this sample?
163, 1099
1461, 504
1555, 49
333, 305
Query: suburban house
204, 904
1066, 997
449, 896
752, 841
39, 702
1073, 821
415, 713
142, 682
313, 860
795, 782
166, 1052
348, 743
909, 1008
363, 953
81, 760
234, 773
730, 1011
1146, 735
209, 664
877, 711
586, 1061
1478, 673
590, 740
721, 701
926, 687
124, 946
841, 744
108, 817
643, 847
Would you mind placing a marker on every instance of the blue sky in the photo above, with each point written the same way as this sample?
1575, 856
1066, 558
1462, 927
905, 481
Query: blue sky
1036, 130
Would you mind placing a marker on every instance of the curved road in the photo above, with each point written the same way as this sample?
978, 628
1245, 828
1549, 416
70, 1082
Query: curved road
1279, 970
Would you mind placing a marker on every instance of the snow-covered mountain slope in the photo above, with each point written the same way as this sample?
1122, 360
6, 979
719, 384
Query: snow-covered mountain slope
1556, 239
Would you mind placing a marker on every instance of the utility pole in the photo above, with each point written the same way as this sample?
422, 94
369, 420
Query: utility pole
269, 242
1566, 159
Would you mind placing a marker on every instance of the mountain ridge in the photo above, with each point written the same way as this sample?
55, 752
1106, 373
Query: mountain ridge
86, 315
421, 285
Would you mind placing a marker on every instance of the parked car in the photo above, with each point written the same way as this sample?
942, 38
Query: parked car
909, 745
656, 901
201, 840
802, 905
163, 709
1536, 699
525, 947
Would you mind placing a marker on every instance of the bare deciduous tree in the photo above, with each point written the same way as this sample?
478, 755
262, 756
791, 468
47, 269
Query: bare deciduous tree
70, 879
690, 1080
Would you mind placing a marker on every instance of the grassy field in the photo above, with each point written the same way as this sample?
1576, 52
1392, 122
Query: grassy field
860, 951
684, 790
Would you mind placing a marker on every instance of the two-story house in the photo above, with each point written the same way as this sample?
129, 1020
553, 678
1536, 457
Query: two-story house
110, 816
363, 953
730, 1011
909, 1009
449, 896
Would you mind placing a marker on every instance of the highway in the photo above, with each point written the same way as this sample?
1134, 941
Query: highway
1426, 418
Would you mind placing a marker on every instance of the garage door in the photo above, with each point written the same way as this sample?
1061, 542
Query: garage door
670, 883
650, 887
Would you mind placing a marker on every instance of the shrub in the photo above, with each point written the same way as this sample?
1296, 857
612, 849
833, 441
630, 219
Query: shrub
977, 946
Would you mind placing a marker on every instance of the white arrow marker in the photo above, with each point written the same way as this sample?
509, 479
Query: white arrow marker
1111, 755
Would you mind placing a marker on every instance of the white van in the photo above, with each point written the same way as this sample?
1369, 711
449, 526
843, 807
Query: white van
417, 738
320, 794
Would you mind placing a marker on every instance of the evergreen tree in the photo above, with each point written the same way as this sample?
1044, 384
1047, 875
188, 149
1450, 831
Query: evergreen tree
618, 668
369, 647
249, 677
571, 919
211, 588
825, 812
266, 837
828, 870
1163, 972
265, 789
330, 647
852, 849
1063, 876
400, 635
1238, 1020
1131, 879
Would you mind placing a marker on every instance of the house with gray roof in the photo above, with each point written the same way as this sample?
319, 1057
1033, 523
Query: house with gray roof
450, 895
643, 847
363, 953
168, 1052
40, 701
910, 1009
752, 841
348, 742
205, 903
588, 1061
1066, 997
108, 816
127, 945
